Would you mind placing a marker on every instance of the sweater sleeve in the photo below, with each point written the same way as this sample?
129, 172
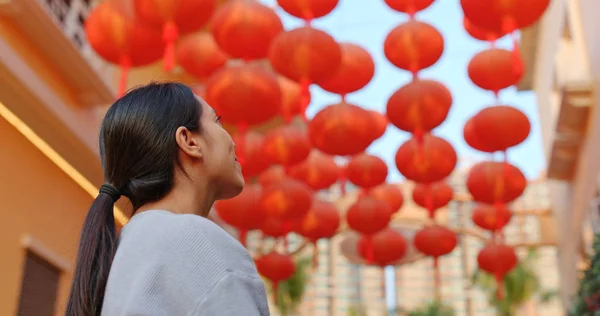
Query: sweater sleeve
235, 294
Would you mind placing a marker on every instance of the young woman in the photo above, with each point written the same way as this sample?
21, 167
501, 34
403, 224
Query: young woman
166, 151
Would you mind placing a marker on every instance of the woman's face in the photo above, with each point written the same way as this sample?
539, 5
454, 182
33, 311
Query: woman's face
220, 161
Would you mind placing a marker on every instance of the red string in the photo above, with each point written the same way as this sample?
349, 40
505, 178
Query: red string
125, 67
170, 35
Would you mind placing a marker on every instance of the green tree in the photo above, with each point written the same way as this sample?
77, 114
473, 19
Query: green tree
434, 308
587, 301
519, 286
291, 291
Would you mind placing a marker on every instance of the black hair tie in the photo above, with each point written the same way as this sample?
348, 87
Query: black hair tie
111, 191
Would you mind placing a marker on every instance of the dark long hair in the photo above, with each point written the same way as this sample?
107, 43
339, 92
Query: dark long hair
139, 156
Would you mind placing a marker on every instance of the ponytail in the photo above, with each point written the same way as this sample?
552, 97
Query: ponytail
97, 248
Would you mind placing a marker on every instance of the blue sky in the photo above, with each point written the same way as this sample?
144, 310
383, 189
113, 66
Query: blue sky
367, 23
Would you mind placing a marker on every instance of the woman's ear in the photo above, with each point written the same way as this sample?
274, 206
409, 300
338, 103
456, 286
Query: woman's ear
188, 143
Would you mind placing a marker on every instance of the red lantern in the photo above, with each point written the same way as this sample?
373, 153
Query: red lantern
117, 37
321, 221
245, 28
356, 70
305, 55
409, 6
493, 69
419, 106
272, 175
287, 145
175, 17
254, 161
501, 127
390, 194
234, 90
275, 267
368, 215
431, 161
318, 171
479, 33
433, 196
380, 123
472, 139
308, 9
199, 55
435, 241
275, 227
288, 200
498, 260
388, 246
493, 182
366, 171
341, 129
490, 217
503, 16
292, 98
414, 46
243, 211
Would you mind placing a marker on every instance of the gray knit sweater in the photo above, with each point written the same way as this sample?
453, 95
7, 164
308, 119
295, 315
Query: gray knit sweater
171, 264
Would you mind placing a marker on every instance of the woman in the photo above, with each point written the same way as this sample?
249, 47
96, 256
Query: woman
166, 151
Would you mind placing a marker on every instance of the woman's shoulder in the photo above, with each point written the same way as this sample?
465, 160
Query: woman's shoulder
194, 237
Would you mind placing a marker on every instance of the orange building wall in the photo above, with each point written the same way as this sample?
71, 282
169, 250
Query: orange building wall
39, 201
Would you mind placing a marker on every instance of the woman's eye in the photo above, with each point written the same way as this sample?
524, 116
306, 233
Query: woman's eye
219, 119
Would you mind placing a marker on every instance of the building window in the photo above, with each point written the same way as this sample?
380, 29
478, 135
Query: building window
39, 287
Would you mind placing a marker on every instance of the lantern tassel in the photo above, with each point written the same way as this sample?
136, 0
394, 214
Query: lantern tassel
429, 201
315, 259
241, 130
342, 180
499, 286
437, 279
170, 35
125, 67
370, 251
304, 97
275, 286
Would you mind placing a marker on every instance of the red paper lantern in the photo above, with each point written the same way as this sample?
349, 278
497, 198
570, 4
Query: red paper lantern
433, 196
366, 171
494, 69
472, 139
288, 200
272, 175
355, 72
480, 34
435, 241
419, 106
287, 145
409, 6
503, 16
275, 267
431, 161
305, 55
308, 9
388, 246
380, 123
341, 129
245, 28
501, 127
199, 55
292, 98
413, 46
318, 171
491, 217
321, 221
493, 182
390, 194
498, 260
243, 211
244, 95
175, 17
275, 227
119, 38
368, 215
254, 161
